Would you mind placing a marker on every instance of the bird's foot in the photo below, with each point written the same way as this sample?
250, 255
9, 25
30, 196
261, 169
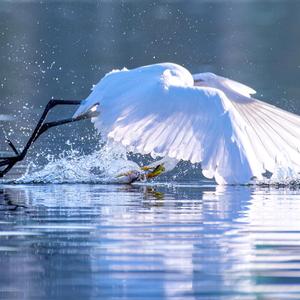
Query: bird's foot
153, 171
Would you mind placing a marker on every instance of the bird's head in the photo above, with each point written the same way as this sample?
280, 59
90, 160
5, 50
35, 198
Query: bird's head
204, 79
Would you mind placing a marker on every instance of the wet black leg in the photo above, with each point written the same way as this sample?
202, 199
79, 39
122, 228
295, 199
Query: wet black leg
41, 127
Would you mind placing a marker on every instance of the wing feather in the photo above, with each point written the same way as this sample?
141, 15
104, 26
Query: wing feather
187, 123
235, 139
238, 87
273, 132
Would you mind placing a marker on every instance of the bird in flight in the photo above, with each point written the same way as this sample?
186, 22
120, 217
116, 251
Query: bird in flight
167, 112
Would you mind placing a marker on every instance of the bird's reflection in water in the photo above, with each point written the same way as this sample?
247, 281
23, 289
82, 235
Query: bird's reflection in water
115, 241
150, 192
9, 203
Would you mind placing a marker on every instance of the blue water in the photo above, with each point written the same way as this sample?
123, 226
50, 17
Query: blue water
149, 242
187, 239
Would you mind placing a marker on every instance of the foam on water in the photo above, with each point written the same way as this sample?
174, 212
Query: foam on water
102, 166
282, 176
110, 160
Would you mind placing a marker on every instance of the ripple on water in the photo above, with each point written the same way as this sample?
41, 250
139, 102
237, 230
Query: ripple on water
159, 242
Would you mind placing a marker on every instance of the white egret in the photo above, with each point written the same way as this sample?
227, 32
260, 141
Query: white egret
165, 111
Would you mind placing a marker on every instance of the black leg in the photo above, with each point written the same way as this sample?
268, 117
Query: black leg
48, 125
41, 127
51, 104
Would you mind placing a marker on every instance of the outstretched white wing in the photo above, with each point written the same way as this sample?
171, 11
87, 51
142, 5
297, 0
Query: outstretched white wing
271, 136
223, 83
237, 87
158, 111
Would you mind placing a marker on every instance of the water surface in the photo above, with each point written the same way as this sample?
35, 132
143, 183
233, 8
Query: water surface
183, 240
149, 242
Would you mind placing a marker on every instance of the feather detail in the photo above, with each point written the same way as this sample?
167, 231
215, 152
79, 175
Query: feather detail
157, 110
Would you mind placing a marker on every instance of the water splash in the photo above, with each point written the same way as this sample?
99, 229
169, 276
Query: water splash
110, 159
101, 166
282, 176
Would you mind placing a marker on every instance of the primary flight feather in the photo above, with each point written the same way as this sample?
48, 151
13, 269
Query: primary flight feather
165, 111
